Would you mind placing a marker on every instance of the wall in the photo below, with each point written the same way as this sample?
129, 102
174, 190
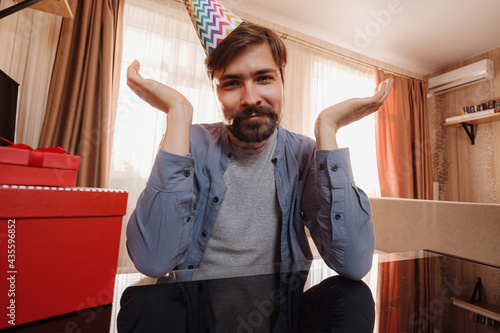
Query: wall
329, 48
465, 172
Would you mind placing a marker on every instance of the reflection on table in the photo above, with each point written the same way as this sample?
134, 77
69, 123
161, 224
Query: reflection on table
404, 292
274, 301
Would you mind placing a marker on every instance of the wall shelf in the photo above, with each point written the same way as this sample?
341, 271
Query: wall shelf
487, 310
473, 119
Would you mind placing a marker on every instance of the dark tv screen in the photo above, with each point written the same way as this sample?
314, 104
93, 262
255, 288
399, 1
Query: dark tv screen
9, 90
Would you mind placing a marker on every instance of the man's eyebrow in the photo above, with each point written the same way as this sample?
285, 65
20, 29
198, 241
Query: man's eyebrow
256, 73
265, 71
230, 77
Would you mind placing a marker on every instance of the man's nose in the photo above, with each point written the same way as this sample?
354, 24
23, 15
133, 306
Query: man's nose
250, 96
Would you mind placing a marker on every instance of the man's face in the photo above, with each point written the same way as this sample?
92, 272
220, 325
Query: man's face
250, 95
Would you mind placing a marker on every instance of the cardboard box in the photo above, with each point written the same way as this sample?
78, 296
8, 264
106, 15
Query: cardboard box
36, 167
58, 250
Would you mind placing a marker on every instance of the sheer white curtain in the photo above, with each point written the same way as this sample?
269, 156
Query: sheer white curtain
315, 80
160, 35
28, 44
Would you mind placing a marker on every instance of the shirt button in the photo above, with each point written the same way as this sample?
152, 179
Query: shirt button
338, 217
188, 219
335, 168
321, 166
187, 173
216, 199
229, 155
190, 267
203, 234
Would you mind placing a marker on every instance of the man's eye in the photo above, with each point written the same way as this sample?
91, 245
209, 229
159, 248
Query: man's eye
230, 84
265, 78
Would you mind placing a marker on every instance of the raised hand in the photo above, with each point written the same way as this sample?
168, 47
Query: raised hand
178, 109
331, 119
158, 95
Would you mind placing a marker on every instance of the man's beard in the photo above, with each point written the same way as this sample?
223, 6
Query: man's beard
254, 131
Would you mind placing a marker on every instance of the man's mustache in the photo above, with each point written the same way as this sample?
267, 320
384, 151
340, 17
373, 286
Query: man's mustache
253, 110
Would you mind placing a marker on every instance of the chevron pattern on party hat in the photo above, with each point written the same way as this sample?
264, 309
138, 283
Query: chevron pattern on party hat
212, 22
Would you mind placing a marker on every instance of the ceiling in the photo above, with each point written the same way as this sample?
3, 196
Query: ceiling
418, 35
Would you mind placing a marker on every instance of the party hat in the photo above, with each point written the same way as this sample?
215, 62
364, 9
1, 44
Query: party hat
212, 21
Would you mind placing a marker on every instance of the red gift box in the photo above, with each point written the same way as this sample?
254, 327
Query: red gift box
59, 250
21, 165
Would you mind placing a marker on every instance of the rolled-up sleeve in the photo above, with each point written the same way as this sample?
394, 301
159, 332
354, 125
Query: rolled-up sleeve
342, 229
160, 228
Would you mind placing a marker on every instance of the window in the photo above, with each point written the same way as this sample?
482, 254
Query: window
161, 36
335, 82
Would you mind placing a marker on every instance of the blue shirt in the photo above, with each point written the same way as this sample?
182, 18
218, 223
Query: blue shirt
171, 224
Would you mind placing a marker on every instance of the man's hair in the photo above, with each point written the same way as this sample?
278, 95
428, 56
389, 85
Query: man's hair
244, 35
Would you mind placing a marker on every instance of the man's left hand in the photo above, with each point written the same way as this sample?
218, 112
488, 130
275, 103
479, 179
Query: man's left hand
331, 119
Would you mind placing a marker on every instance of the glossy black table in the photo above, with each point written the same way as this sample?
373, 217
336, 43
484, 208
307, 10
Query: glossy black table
419, 291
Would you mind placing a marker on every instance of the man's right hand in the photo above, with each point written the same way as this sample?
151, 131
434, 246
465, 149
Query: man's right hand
156, 94
178, 109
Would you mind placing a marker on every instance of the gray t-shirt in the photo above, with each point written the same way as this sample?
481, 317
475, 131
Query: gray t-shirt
247, 229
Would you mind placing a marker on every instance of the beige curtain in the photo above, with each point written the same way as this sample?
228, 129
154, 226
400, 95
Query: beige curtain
403, 143
81, 105
28, 44
315, 80
161, 36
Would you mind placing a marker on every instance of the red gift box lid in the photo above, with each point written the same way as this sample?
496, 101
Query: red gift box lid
39, 158
17, 201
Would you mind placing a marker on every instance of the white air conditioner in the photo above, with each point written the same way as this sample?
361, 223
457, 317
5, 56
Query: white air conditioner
465, 76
